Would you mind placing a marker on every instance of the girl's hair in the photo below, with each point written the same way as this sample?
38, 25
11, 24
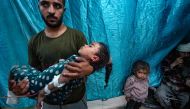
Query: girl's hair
103, 55
139, 64
108, 72
104, 60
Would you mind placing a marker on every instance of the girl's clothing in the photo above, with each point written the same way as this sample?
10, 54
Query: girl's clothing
136, 89
38, 80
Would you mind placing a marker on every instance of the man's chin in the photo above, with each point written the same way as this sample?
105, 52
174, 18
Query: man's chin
53, 25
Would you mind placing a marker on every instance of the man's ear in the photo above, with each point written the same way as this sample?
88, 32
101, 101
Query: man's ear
95, 58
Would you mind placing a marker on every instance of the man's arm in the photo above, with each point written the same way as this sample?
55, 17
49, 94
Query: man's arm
178, 61
22, 87
78, 69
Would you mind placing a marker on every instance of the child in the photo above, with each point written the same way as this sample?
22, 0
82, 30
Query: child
136, 86
97, 54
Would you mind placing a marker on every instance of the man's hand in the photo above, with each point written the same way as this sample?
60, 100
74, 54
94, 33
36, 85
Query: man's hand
178, 61
78, 69
62, 78
20, 88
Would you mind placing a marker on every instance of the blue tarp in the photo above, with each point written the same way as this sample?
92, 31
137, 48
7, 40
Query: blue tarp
133, 29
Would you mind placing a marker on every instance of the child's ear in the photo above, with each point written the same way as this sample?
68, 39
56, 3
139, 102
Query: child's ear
95, 58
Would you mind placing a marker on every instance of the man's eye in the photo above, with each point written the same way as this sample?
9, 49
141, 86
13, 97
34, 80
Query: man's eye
44, 4
90, 45
57, 6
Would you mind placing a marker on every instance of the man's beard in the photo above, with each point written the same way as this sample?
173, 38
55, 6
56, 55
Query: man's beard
57, 24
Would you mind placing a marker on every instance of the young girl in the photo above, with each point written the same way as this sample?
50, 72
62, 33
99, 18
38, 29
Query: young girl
136, 86
97, 54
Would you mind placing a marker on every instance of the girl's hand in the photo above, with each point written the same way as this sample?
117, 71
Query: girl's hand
40, 98
127, 98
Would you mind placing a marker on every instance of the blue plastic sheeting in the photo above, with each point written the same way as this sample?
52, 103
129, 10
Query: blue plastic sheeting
133, 29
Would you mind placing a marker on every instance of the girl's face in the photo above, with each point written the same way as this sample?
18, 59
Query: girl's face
142, 74
89, 51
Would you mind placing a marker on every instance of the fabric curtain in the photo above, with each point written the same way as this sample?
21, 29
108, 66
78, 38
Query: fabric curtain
133, 30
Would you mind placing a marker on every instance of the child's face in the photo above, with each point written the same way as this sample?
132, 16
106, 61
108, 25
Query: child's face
89, 51
142, 74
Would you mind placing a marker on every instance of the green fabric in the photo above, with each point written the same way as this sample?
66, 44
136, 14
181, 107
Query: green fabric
45, 51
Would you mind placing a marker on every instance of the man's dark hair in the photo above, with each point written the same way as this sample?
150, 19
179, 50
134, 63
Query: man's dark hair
139, 64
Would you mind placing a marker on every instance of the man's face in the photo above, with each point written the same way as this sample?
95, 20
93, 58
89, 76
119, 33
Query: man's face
52, 12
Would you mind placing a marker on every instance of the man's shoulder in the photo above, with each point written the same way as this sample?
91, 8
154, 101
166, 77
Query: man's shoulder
75, 31
77, 35
36, 36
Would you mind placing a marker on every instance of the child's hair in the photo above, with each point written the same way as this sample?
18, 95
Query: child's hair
103, 55
108, 72
139, 64
104, 60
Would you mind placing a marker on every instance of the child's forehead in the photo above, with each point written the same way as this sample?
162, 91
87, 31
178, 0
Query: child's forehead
142, 71
95, 44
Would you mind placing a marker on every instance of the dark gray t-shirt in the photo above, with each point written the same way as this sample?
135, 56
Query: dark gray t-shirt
44, 51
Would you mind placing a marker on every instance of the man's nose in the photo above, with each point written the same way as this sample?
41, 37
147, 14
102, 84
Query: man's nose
51, 9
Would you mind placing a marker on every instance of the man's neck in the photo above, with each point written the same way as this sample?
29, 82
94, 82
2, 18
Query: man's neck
55, 32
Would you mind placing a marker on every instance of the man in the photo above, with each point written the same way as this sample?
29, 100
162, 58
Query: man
174, 91
55, 42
